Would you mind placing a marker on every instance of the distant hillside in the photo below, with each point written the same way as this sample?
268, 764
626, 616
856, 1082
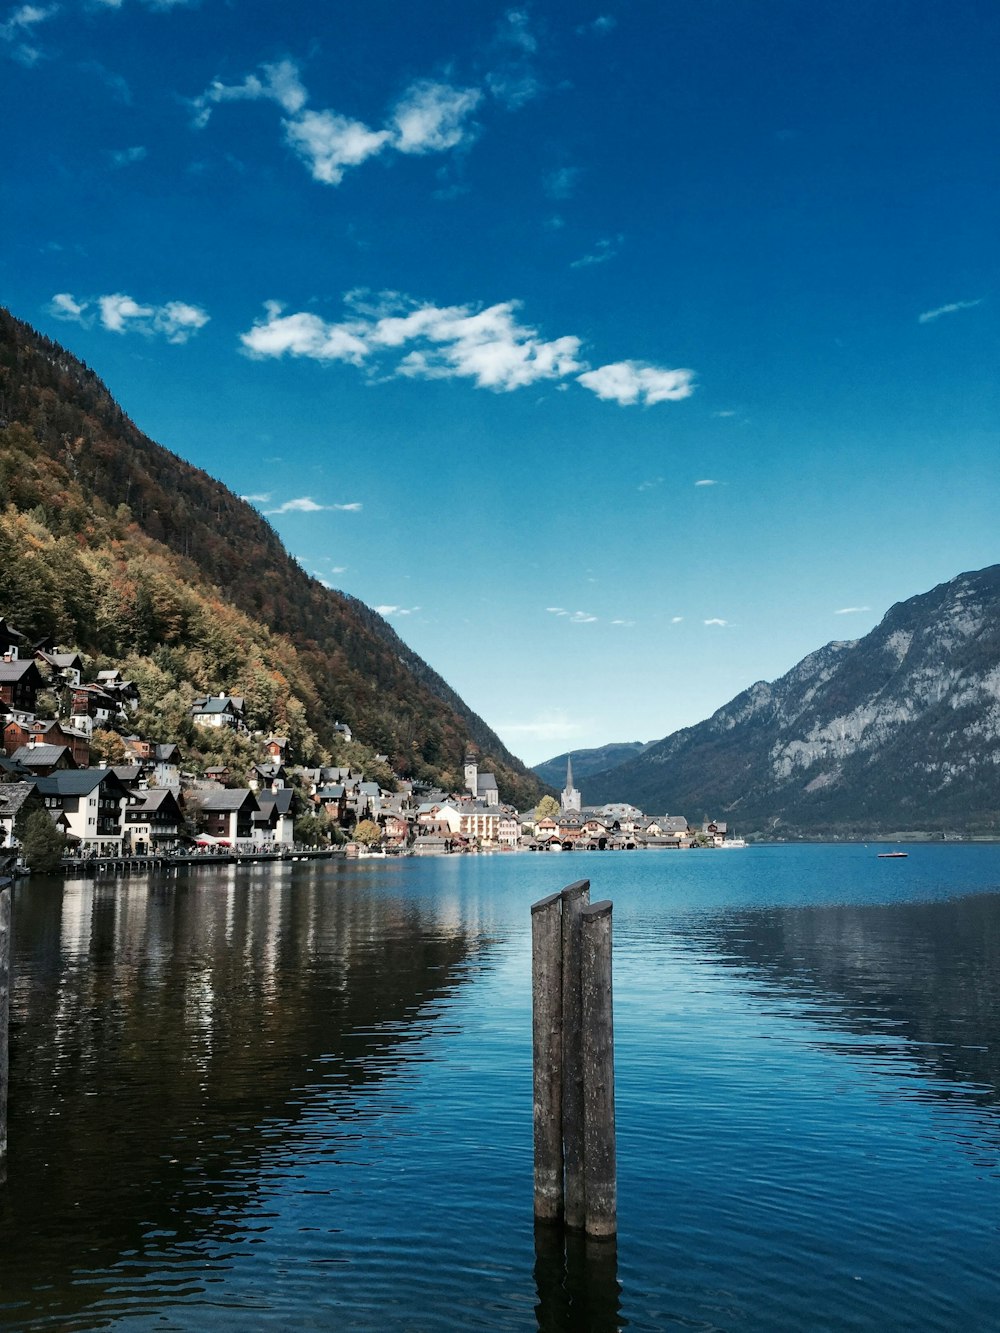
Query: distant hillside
112, 543
586, 762
897, 731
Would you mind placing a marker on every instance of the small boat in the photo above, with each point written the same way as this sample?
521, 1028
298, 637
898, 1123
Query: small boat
893, 856
732, 842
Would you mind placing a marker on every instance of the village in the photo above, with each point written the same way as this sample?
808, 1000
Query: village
151, 805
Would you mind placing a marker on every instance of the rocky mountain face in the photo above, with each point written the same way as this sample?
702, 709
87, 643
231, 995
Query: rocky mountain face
899, 730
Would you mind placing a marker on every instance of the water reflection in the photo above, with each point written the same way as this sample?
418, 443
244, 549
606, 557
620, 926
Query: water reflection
916, 979
577, 1282
170, 1036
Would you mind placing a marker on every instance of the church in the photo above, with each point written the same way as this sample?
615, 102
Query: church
570, 799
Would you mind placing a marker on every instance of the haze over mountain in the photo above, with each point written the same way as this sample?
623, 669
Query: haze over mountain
587, 762
112, 544
899, 730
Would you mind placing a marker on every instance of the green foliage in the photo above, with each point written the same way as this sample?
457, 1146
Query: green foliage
368, 833
316, 830
42, 844
547, 808
114, 545
106, 748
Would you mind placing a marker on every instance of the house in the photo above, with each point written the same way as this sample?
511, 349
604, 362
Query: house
226, 814
12, 797
277, 749
12, 641
43, 759
343, 730
219, 710
396, 829
333, 799
508, 829
54, 733
166, 765
267, 777
93, 802
61, 668
20, 681
154, 823
275, 819
91, 707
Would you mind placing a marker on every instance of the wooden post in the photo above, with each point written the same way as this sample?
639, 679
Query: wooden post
546, 1032
598, 1073
6, 921
574, 898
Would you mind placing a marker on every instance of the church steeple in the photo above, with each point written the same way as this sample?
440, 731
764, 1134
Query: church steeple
570, 798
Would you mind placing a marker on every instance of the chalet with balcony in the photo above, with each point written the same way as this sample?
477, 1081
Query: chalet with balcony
155, 823
20, 681
93, 802
226, 814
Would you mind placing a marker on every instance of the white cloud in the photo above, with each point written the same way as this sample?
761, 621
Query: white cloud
706, 481
553, 726
278, 83
328, 143
513, 80
676, 620
304, 335
117, 309
354, 507
582, 618
599, 27
177, 321
623, 622
650, 484
560, 183
604, 250
627, 382
397, 610
851, 610
557, 611
430, 117
21, 20
65, 306
20, 23
305, 504
716, 621
490, 346
929, 315
257, 499
124, 157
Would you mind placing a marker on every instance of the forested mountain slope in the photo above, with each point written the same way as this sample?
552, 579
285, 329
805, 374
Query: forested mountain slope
112, 543
899, 730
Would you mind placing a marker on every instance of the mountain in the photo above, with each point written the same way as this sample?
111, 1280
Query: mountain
586, 762
899, 730
113, 544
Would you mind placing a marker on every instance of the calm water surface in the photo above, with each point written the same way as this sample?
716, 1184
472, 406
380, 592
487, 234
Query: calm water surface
300, 1097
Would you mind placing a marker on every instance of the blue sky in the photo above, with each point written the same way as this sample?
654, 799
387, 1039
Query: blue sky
621, 355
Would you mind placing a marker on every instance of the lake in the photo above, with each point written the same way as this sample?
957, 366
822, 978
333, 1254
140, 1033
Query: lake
299, 1096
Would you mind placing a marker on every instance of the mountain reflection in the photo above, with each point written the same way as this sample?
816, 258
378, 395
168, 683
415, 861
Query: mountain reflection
168, 1035
925, 974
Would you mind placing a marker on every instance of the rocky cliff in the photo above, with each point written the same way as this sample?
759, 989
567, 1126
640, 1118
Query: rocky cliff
899, 730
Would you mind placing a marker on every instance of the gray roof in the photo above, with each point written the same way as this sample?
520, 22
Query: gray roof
76, 782
13, 671
486, 781
12, 796
280, 800
40, 756
226, 798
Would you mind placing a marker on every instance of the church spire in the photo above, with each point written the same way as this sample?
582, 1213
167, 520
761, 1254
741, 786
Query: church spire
571, 798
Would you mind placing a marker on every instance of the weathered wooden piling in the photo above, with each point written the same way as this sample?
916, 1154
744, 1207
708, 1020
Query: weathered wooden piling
546, 994
574, 898
6, 921
598, 1073
573, 1051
